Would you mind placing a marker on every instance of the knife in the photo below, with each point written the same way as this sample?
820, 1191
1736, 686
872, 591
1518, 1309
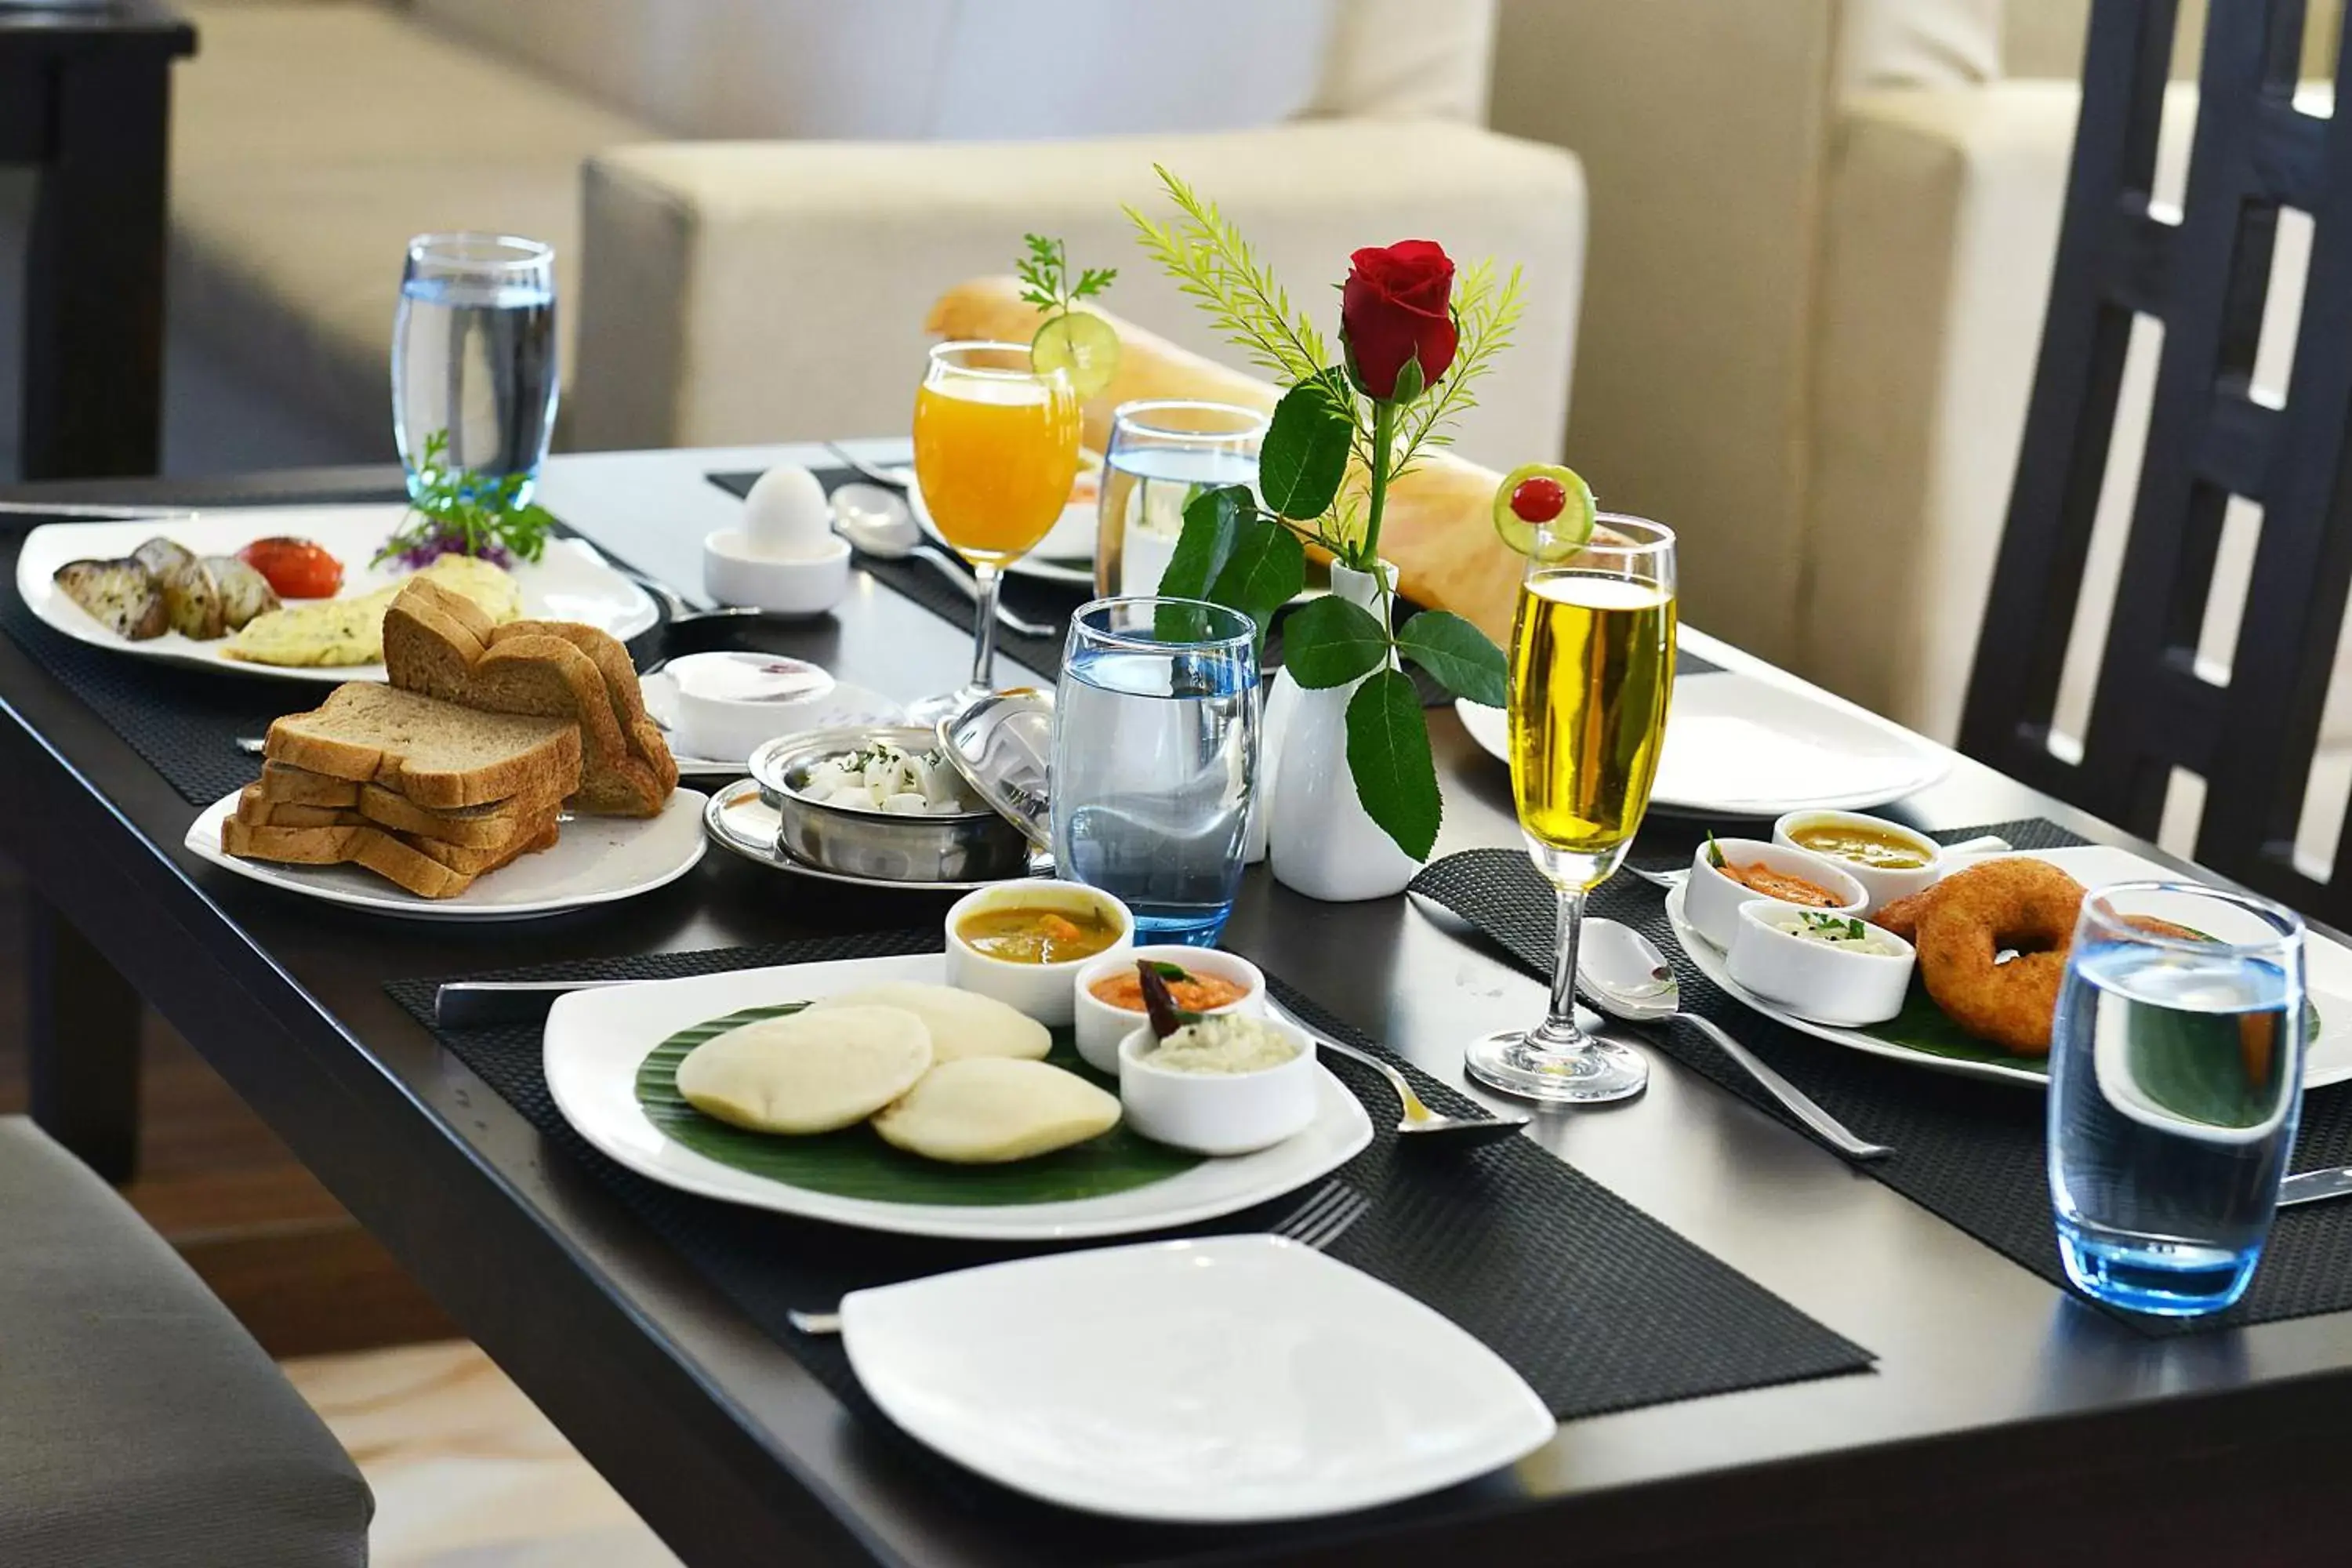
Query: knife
480, 1004
2312, 1186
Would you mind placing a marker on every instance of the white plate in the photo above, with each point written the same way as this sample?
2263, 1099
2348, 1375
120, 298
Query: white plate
846, 704
2328, 966
1741, 747
1235, 1379
737, 819
595, 861
569, 583
597, 1040
1066, 553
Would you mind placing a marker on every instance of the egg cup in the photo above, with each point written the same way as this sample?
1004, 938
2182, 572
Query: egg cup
810, 585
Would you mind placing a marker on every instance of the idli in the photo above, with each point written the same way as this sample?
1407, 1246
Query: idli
808, 1071
986, 1110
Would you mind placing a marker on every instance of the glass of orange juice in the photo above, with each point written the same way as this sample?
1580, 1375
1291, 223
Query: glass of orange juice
996, 447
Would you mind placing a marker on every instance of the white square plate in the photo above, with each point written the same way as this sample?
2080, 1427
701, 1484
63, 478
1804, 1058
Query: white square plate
1240, 1378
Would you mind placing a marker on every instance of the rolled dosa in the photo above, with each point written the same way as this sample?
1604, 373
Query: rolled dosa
1437, 529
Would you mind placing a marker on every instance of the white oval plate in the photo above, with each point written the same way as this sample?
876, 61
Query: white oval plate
597, 859
1741, 747
2329, 967
569, 583
1233, 1379
596, 1040
846, 704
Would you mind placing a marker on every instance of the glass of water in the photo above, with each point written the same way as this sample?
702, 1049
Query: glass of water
2176, 1077
1155, 759
1161, 452
473, 356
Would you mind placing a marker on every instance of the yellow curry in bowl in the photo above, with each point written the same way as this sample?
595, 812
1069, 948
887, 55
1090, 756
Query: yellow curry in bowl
1038, 934
1874, 848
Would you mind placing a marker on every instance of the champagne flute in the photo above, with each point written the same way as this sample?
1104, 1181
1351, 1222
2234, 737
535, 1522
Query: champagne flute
1592, 670
996, 446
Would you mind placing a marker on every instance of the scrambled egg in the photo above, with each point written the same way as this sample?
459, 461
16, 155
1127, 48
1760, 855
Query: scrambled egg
341, 632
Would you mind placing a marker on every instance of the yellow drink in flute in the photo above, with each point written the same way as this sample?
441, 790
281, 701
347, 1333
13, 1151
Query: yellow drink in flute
996, 459
1593, 670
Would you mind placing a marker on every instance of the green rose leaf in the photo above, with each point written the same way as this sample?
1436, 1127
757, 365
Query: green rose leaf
1464, 659
1329, 642
1305, 454
1388, 753
1265, 572
1214, 520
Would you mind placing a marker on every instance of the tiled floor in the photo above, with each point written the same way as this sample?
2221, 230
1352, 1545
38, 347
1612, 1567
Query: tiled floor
466, 1472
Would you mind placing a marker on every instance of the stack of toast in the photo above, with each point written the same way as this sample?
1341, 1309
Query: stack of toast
485, 737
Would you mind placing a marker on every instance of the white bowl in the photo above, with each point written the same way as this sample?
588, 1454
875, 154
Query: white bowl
1883, 886
1044, 990
810, 585
1711, 899
1216, 1113
1814, 979
728, 704
1102, 1027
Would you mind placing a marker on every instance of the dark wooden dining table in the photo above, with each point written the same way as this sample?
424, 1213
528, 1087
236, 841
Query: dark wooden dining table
2005, 1422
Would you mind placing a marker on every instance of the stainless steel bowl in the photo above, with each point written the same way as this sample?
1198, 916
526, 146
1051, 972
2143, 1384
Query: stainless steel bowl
975, 845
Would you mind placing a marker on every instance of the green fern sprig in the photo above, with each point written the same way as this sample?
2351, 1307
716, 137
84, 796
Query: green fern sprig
1215, 265
1488, 316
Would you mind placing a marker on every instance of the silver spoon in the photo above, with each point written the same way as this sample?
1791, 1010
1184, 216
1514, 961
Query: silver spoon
1987, 844
1620, 972
877, 522
1418, 1120
889, 478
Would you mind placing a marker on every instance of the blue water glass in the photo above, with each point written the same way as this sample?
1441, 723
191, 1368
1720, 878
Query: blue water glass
473, 356
2176, 1077
1155, 759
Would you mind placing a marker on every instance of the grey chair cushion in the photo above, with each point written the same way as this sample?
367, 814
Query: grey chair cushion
139, 1424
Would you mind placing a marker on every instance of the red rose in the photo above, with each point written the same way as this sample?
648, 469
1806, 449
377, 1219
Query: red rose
1397, 306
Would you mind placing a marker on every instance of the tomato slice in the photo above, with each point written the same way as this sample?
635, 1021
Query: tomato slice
297, 568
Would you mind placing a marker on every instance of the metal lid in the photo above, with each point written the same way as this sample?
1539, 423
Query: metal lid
1004, 747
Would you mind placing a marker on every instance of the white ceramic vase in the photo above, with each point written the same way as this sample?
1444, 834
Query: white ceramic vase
1319, 842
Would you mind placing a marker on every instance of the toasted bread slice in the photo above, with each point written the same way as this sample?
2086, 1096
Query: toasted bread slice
441, 644
474, 859
255, 809
439, 754
385, 854
479, 829
300, 786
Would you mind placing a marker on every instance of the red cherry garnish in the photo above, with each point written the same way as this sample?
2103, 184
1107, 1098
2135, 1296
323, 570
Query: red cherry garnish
1538, 500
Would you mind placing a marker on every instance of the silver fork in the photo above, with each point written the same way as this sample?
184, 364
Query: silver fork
1326, 1216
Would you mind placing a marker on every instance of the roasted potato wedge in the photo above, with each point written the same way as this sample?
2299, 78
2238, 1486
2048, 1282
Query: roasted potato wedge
192, 597
160, 555
122, 595
244, 592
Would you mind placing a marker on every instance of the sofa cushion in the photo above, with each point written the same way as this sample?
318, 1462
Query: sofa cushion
310, 142
144, 1428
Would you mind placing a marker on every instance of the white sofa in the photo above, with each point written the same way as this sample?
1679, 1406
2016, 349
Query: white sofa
1823, 239
773, 286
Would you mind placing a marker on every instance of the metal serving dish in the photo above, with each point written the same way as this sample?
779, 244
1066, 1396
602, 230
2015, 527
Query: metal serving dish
974, 846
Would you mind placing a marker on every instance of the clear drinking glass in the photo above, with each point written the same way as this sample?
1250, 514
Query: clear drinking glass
1162, 450
996, 445
2176, 1077
473, 355
1593, 670
1155, 759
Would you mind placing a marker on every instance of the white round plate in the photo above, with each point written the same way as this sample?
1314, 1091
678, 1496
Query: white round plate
739, 820
846, 704
569, 583
1737, 746
1233, 1379
597, 859
2328, 966
1066, 553
596, 1040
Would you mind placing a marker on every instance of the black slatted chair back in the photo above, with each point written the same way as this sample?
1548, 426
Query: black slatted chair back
2206, 278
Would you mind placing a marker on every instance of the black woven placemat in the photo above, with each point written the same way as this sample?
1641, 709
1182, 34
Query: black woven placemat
1053, 602
1598, 1306
1968, 1151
